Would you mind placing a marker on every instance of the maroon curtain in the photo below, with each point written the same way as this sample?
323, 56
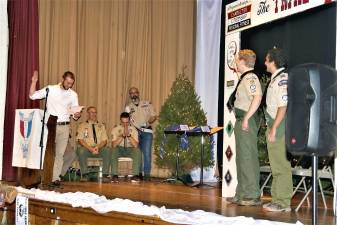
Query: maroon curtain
23, 59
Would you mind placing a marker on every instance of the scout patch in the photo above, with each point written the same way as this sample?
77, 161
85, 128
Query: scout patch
253, 88
282, 82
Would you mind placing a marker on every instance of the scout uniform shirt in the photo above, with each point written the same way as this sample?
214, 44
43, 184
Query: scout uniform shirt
248, 88
88, 130
277, 93
117, 132
140, 114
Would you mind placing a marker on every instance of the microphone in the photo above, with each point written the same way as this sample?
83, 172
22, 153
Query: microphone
47, 92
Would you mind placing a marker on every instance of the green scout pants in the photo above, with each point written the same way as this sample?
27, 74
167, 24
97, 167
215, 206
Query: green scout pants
247, 158
131, 152
83, 154
282, 186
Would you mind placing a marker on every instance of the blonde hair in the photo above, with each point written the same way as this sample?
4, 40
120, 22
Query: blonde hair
248, 56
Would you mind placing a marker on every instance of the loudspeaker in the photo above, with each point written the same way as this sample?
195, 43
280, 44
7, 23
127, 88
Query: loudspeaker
311, 122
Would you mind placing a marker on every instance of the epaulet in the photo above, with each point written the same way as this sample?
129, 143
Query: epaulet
146, 102
251, 76
283, 75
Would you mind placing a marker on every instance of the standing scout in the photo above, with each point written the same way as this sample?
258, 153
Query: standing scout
247, 99
276, 100
142, 115
92, 139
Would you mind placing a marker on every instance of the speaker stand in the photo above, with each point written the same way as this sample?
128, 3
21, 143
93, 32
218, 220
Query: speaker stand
314, 188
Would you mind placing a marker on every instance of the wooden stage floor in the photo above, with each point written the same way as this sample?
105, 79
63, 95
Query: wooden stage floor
182, 197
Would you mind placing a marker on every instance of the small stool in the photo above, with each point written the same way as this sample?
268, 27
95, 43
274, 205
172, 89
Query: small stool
124, 166
96, 162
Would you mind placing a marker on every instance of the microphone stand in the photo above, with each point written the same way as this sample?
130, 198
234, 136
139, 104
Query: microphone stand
42, 129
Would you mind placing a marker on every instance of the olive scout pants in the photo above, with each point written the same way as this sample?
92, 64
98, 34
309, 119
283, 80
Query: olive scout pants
247, 157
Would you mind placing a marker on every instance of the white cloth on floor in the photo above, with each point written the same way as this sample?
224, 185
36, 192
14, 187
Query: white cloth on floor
103, 205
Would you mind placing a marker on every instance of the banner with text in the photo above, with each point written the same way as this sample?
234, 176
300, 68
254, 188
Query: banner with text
244, 14
21, 210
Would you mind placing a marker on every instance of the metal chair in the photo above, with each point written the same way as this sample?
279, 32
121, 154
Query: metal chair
324, 173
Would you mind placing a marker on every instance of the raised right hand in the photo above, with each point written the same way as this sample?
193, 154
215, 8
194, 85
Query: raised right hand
35, 76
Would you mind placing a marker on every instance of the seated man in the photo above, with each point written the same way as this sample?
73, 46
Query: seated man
92, 139
125, 144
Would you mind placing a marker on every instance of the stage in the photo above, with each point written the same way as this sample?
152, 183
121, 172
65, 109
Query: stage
172, 196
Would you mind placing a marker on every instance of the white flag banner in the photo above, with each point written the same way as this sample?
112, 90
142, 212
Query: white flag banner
21, 210
27, 134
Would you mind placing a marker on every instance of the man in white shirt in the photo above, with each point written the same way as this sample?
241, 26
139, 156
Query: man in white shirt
60, 98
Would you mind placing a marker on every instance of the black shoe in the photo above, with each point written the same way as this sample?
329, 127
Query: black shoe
106, 179
114, 179
84, 178
63, 178
55, 183
147, 177
135, 179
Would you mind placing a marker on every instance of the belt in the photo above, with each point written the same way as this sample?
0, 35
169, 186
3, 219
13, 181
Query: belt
149, 127
63, 123
145, 130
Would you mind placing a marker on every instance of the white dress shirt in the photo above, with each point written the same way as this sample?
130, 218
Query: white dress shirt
59, 101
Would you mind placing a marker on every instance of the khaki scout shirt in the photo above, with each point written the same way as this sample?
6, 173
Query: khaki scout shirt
277, 93
85, 132
140, 114
117, 132
248, 88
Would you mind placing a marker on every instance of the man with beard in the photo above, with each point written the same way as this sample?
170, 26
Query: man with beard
142, 116
60, 99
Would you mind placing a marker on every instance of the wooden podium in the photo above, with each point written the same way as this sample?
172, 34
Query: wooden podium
33, 177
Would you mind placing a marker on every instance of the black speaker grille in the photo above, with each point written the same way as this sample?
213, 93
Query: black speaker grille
298, 115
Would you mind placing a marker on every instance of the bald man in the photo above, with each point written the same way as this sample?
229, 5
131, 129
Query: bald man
142, 116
